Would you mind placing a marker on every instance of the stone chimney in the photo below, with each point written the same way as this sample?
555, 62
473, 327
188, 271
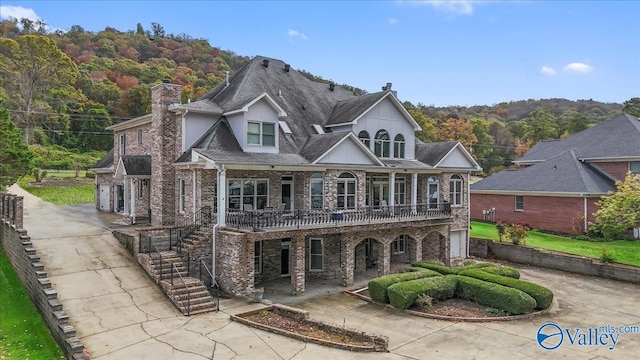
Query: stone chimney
165, 130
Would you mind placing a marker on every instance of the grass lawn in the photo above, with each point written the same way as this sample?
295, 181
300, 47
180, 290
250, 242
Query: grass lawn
23, 333
623, 251
60, 188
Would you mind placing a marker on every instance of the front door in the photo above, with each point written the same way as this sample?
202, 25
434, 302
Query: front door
287, 192
285, 259
119, 198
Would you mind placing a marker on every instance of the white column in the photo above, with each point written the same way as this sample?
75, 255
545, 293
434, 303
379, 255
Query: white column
414, 191
126, 192
133, 201
193, 193
392, 189
222, 196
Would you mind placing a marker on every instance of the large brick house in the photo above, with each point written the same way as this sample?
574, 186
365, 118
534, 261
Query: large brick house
304, 179
558, 182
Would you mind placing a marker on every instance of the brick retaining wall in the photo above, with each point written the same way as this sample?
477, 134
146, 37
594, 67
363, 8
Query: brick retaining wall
26, 262
553, 260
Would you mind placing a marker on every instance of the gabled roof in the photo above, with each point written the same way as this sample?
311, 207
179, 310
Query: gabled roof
618, 138
105, 163
134, 165
432, 153
348, 112
561, 174
321, 145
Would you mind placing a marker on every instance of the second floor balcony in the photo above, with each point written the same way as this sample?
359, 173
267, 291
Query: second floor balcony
266, 219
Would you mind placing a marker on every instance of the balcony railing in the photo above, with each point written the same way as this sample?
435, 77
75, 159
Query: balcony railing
271, 219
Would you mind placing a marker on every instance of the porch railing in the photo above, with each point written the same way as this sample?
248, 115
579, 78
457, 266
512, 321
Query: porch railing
265, 219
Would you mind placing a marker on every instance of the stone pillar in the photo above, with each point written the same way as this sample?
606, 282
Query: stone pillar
298, 261
19, 212
222, 197
384, 254
132, 189
418, 254
165, 132
347, 262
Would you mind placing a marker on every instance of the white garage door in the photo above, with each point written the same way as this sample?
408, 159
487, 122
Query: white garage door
104, 197
458, 244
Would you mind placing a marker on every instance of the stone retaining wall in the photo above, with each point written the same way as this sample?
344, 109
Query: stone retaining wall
26, 262
553, 260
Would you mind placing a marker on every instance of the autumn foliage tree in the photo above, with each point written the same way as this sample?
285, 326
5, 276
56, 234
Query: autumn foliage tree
457, 129
619, 211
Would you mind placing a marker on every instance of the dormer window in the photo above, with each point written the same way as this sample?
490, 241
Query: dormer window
398, 146
364, 137
382, 144
261, 133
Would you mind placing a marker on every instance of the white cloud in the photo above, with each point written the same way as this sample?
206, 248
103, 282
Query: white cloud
545, 70
17, 12
460, 7
296, 33
578, 67
392, 21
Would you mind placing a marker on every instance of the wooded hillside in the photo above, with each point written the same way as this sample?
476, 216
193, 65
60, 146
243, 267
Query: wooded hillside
101, 78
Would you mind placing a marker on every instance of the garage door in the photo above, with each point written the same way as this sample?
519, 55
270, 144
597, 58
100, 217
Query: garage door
104, 197
458, 244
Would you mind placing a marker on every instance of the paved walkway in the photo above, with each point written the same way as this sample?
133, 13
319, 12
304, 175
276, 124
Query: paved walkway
119, 313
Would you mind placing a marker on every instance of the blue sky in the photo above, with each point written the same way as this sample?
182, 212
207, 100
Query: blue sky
434, 52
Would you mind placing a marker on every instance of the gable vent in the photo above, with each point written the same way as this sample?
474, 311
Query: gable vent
265, 63
287, 67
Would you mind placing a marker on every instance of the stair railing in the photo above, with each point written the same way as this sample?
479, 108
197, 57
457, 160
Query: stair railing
214, 285
190, 225
188, 307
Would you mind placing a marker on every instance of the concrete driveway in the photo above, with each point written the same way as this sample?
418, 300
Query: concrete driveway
119, 313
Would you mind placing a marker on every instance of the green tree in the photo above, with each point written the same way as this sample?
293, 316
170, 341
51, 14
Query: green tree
429, 133
485, 143
30, 68
577, 123
540, 125
15, 156
632, 106
619, 211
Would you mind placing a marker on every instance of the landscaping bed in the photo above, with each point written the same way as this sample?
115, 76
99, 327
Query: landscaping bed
295, 323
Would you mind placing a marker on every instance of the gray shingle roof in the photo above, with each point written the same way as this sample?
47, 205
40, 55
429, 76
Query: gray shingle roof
346, 111
139, 165
319, 144
105, 162
432, 153
615, 138
563, 173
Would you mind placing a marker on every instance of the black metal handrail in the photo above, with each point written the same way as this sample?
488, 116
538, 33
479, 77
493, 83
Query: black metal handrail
186, 286
213, 283
263, 219
188, 226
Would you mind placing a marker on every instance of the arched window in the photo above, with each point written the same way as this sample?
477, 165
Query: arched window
346, 191
433, 192
398, 146
364, 137
455, 190
382, 144
317, 191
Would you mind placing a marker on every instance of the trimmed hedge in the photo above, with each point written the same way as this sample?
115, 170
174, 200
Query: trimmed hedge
501, 270
404, 294
448, 270
378, 286
541, 294
512, 301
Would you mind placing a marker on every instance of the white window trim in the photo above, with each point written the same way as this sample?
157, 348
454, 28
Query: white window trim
261, 134
395, 245
382, 142
452, 192
123, 144
140, 188
182, 192
312, 254
403, 198
311, 181
515, 199
259, 256
400, 145
346, 195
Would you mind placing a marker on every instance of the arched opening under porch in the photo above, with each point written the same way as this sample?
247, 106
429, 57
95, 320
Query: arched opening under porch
434, 247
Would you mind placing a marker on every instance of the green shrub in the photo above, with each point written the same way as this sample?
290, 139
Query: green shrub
502, 270
541, 294
403, 295
606, 256
378, 286
512, 301
413, 268
447, 270
424, 301
582, 237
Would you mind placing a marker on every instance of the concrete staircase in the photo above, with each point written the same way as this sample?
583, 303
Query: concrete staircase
189, 294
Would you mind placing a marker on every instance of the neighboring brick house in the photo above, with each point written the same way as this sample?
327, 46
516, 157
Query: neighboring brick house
558, 181
304, 179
